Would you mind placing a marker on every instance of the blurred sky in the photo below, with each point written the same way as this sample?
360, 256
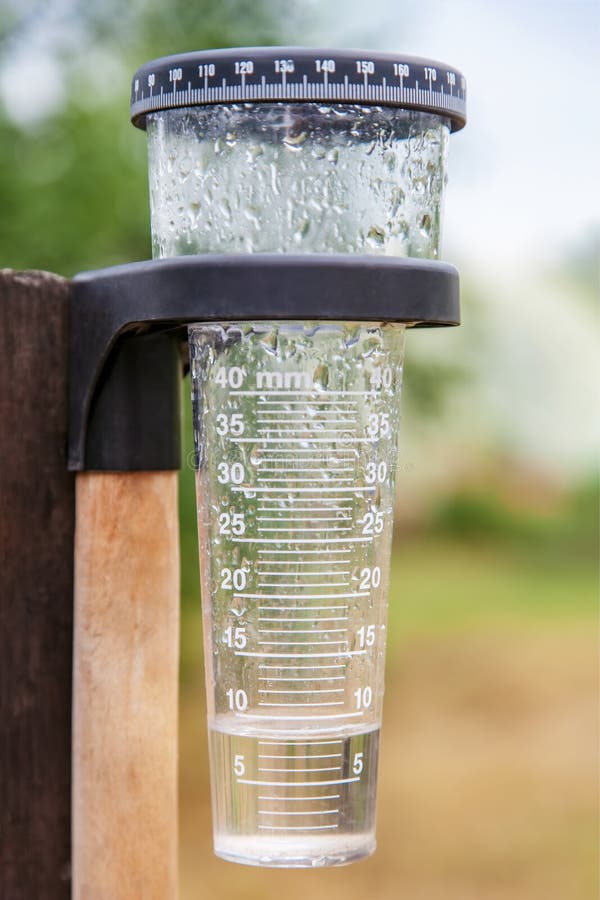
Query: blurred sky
523, 199
524, 177
522, 203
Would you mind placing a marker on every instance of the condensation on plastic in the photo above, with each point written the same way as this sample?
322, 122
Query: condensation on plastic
305, 178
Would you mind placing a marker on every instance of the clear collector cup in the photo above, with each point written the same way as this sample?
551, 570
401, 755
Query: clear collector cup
296, 426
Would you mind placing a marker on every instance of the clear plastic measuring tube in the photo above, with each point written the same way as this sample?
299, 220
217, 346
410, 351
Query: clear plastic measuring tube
295, 506
287, 150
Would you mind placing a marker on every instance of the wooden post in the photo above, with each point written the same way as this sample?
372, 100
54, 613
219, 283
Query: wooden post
36, 595
125, 687
123, 744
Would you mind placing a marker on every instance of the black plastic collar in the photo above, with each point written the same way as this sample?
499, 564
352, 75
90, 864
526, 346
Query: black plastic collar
127, 330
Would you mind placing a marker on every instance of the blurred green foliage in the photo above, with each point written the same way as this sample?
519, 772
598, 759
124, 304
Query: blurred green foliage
474, 515
73, 187
73, 184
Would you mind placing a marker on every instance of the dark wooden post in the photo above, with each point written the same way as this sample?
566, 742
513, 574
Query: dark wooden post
118, 571
37, 515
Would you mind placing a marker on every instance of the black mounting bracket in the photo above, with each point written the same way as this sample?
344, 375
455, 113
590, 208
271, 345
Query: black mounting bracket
128, 326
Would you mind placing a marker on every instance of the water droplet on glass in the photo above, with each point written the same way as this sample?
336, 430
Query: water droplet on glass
295, 141
254, 152
397, 198
293, 182
256, 455
351, 336
370, 346
270, 342
321, 377
389, 158
301, 231
376, 236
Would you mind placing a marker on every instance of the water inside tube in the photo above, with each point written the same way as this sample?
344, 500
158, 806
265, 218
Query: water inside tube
296, 429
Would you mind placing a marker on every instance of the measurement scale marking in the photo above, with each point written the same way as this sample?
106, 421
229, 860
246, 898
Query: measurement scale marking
284, 573
276, 423
300, 758
313, 393
296, 519
308, 509
297, 783
303, 668
302, 630
308, 469
289, 529
284, 799
305, 705
294, 678
244, 596
293, 631
312, 584
292, 540
270, 480
258, 439
309, 608
306, 403
286, 742
261, 655
263, 450
306, 428
329, 471
302, 562
305, 691
298, 812
303, 575
350, 455
304, 410
312, 769
295, 827
318, 504
318, 490
300, 643
317, 619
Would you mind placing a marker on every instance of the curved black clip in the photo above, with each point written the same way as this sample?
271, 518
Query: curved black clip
127, 328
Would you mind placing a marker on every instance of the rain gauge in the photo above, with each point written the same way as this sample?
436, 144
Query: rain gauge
296, 205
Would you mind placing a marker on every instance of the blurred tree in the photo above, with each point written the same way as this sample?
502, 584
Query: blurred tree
73, 182
581, 268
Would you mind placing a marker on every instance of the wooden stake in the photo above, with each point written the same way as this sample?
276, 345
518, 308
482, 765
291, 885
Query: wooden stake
37, 516
125, 671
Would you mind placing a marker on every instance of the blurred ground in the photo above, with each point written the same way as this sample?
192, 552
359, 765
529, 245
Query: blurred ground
488, 764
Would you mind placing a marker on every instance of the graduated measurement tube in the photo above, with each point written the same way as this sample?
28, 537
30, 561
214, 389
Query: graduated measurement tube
296, 430
288, 150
